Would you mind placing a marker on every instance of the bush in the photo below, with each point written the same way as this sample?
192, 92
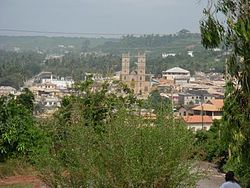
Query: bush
130, 153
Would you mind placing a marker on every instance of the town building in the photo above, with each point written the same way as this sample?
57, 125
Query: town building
48, 77
198, 122
6, 90
193, 97
185, 111
178, 75
212, 108
136, 79
49, 91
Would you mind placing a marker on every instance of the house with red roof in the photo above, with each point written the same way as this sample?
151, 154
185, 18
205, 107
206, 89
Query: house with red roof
198, 122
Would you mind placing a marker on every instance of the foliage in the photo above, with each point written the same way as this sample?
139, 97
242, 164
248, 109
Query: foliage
12, 167
156, 101
127, 152
18, 134
94, 107
100, 55
26, 98
234, 33
210, 145
16, 68
161, 106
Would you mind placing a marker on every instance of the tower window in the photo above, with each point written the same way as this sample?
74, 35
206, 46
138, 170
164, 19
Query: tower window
124, 78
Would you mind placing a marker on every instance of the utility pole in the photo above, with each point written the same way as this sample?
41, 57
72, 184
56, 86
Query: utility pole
202, 121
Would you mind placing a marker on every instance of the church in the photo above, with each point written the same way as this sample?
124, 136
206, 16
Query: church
137, 79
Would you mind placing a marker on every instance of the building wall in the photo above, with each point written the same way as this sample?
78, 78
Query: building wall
186, 99
198, 126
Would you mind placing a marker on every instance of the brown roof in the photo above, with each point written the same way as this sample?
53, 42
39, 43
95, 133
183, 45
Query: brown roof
217, 102
207, 107
197, 119
165, 81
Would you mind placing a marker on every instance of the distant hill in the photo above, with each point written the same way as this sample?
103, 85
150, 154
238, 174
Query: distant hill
56, 44
152, 43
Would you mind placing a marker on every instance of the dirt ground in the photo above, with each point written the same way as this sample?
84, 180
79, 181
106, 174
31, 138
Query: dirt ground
22, 180
213, 180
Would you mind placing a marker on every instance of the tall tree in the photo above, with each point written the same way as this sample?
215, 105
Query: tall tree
234, 33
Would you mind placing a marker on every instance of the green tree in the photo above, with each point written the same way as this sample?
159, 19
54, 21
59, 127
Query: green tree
234, 33
161, 105
26, 98
18, 133
209, 144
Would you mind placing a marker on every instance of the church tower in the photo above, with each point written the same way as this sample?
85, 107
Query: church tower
137, 80
141, 66
125, 67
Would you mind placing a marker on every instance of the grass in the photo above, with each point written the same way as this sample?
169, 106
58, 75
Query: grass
15, 167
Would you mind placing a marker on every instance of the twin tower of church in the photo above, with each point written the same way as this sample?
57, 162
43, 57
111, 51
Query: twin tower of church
137, 79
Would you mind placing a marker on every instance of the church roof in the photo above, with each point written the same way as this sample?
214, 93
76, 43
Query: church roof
176, 70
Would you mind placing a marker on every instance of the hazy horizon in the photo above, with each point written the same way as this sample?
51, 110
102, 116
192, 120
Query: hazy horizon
104, 18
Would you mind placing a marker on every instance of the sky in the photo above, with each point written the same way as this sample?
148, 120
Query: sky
101, 16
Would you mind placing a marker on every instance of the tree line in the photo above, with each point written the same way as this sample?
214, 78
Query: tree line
16, 68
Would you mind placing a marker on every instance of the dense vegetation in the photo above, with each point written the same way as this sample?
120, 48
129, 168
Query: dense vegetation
18, 133
173, 42
234, 33
101, 56
99, 140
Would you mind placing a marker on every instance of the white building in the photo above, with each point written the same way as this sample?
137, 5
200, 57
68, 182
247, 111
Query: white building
190, 53
179, 75
165, 55
6, 90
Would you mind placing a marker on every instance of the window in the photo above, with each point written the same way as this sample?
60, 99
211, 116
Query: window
140, 78
124, 78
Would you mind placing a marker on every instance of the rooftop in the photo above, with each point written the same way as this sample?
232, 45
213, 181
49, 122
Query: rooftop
197, 119
207, 107
199, 92
217, 102
177, 70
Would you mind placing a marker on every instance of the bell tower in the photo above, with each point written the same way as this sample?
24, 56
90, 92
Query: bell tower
125, 67
141, 66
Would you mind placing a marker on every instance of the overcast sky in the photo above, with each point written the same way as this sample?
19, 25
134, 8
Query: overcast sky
101, 16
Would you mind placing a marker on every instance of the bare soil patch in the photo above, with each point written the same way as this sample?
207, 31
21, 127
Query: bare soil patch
22, 180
